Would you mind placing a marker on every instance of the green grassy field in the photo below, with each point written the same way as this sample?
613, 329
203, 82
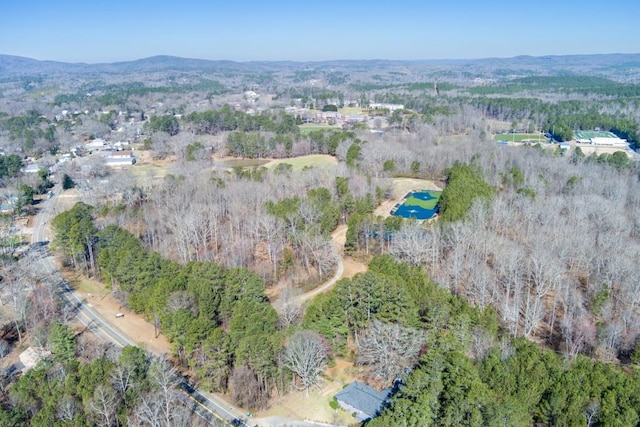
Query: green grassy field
519, 137
351, 110
425, 204
588, 134
309, 127
146, 173
244, 163
305, 161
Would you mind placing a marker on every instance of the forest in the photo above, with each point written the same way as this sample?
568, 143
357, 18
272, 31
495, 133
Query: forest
518, 305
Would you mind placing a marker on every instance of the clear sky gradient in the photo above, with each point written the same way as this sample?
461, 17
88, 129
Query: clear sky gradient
306, 30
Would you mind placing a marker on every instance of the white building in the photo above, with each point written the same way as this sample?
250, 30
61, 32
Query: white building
609, 142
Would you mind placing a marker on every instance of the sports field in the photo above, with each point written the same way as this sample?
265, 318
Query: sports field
519, 137
590, 134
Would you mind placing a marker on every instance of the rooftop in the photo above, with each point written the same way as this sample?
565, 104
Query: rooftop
364, 398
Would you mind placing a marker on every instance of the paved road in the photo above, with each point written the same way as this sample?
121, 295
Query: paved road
205, 406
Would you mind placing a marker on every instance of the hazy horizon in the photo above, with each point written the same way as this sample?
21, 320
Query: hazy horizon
118, 31
318, 61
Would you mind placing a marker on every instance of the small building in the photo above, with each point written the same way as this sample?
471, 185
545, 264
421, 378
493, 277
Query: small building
362, 401
120, 158
386, 106
355, 118
607, 141
31, 168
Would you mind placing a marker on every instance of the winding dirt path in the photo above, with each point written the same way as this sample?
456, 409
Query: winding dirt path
338, 236
347, 266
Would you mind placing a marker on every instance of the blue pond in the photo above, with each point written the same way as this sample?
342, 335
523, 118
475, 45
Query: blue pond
418, 205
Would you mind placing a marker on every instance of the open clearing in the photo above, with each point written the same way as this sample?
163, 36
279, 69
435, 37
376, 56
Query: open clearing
146, 169
305, 161
233, 162
309, 127
352, 110
519, 137
589, 149
296, 404
131, 325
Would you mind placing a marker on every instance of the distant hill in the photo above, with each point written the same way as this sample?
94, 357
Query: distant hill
18, 65
12, 66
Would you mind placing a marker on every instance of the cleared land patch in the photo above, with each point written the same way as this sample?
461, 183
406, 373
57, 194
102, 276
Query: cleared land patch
309, 127
243, 163
352, 110
519, 137
305, 161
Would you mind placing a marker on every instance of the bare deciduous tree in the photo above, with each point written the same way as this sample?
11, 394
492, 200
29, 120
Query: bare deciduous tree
388, 348
67, 408
246, 388
104, 404
305, 354
412, 244
182, 300
122, 379
289, 309
164, 378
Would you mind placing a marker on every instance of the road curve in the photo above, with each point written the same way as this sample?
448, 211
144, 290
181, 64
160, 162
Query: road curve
205, 406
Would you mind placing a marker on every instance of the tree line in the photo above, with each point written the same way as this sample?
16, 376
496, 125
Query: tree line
227, 119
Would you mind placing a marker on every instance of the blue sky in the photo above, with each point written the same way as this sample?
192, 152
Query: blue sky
117, 30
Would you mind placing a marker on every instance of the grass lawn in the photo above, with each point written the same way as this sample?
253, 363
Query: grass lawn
309, 127
425, 204
244, 163
147, 169
519, 137
296, 404
351, 110
305, 161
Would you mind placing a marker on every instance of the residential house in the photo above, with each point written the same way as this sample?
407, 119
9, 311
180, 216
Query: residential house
362, 401
120, 158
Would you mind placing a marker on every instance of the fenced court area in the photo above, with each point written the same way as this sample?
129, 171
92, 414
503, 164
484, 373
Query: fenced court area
419, 205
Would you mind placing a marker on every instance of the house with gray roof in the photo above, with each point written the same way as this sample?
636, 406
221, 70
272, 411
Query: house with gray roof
362, 401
